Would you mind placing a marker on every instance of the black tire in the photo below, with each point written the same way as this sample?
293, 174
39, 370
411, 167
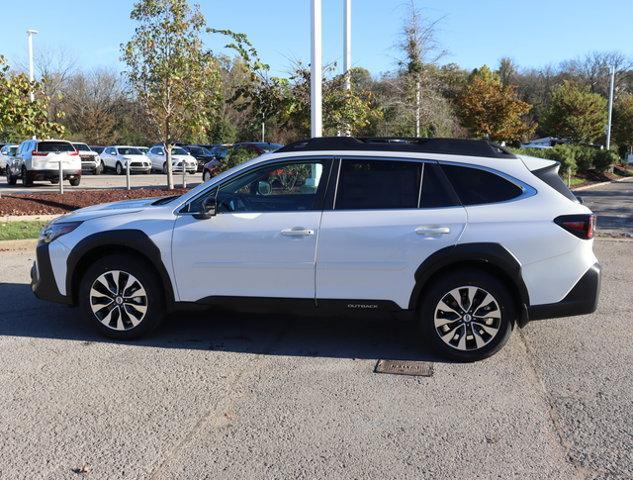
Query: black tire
119, 168
154, 298
26, 181
98, 169
469, 337
11, 179
206, 176
75, 181
54, 181
165, 167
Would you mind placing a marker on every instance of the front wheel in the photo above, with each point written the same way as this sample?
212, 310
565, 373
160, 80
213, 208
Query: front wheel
206, 176
467, 315
26, 181
75, 181
11, 179
165, 167
119, 168
121, 297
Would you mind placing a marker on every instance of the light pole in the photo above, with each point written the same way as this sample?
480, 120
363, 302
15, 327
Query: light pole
316, 107
347, 44
611, 87
30, 33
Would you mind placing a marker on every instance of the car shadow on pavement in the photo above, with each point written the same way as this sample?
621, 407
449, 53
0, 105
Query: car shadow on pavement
361, 337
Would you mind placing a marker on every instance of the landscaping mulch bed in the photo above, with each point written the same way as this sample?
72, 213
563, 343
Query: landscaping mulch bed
590, 177
55, 203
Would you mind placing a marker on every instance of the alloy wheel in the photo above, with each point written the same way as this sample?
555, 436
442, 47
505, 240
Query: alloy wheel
467, 318
118, 300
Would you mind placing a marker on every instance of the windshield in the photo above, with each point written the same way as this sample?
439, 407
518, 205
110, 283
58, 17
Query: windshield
129, 151
199, 151
82, 147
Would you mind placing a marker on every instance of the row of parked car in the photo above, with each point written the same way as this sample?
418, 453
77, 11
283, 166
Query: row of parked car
39, 160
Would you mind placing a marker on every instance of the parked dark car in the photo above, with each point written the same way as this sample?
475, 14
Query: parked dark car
201, 154
221, 151
97, 148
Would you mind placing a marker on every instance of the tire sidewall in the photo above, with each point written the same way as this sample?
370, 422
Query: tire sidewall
470, 277
144, 274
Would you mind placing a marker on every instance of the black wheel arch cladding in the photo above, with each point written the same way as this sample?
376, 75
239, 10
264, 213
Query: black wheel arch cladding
117, 240
486, 255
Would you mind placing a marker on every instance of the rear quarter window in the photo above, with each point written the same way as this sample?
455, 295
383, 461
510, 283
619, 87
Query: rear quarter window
475, 186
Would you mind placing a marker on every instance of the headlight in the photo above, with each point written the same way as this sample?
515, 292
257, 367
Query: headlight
56, 230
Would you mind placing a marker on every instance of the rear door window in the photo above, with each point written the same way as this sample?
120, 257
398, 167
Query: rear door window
378, 184
475, 186
436, 191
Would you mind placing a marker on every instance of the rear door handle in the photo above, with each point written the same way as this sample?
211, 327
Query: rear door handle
432, 230
297, 232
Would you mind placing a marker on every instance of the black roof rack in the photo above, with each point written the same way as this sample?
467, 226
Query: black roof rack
454, 146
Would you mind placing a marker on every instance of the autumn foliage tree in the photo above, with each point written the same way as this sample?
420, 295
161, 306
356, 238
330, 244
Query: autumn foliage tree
173, 76
19, 117
488, 108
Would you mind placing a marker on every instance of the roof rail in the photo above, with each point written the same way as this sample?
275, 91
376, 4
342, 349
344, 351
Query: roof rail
454, 146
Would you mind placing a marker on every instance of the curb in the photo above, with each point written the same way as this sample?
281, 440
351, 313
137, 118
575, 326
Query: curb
12, 245
27, 218
587, 187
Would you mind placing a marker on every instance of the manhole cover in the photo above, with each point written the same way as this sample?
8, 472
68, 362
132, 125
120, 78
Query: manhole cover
405, 367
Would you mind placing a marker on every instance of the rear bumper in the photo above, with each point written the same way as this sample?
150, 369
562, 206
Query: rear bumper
42, 278
52, 174
581, 300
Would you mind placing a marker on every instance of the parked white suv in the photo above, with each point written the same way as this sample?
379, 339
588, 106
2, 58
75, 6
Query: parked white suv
179, 156
116, 157
40, 159
464, 236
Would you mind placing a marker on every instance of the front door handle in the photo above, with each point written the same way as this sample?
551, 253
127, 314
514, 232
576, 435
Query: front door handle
297, 232
432, 230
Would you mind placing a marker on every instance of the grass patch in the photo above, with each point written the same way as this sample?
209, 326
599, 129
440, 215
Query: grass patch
20, 230
575, 181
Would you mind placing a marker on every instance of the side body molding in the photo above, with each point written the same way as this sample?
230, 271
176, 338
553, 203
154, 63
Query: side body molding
136, 240
488, 255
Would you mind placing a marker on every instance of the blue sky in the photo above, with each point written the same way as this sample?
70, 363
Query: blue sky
474, 32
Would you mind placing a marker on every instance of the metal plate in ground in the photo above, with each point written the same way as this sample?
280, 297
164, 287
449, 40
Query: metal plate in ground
405, 367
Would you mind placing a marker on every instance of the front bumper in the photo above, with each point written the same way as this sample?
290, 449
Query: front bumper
42, 279
581, 300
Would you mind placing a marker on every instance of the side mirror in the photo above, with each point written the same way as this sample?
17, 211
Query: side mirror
264, 188
209, 209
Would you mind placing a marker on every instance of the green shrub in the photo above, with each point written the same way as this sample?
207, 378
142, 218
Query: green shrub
605, 159
566, 155
236, 156
585, 157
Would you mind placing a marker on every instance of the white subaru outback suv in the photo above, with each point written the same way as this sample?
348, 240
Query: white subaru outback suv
466, 237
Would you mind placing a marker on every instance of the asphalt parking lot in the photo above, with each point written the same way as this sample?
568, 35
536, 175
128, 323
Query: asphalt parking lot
226, 396
89, 182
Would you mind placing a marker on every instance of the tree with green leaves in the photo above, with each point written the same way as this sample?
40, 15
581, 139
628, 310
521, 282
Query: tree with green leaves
265, 97
490, 109
173, 76
19, 117
623, 120
574, 113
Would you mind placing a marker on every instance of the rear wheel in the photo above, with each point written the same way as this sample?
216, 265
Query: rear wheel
26, 181
75, 181
165, 167
121, 297
206, 176
54, 181
467, 315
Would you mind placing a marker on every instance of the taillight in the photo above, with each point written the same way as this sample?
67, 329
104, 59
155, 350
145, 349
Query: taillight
35, 153
582, 226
